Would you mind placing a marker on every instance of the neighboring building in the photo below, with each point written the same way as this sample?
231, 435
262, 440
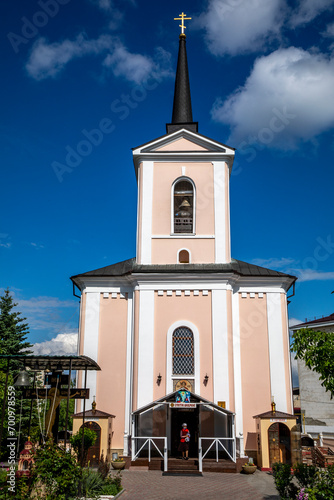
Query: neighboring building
316, 405
184, 313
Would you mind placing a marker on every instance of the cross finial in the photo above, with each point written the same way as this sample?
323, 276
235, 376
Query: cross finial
182, 18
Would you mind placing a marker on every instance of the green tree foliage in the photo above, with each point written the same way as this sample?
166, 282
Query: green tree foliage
13, 340
13, 331
56, 473
317, 350
76, 442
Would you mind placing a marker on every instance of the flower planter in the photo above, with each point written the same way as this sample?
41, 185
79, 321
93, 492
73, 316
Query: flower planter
249, 469
118, 465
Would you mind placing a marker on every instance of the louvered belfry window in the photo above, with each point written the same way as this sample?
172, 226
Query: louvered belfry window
183, 351
183, 207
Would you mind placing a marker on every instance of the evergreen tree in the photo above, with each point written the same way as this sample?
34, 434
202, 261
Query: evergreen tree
13, 340
13, 330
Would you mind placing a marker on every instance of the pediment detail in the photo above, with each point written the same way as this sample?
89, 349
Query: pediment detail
183, 141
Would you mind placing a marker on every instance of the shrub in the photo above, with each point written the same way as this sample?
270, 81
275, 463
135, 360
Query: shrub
76, 442
283, 481
305, 475
55, 472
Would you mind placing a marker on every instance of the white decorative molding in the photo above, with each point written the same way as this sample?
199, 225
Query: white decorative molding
220, 348
205, 292
183, 236
260, 295
160, 293
178, 293
252, 295
237, 364
169, 360
276, 351
128, 371
220, 211
146, 212
244, 295
145, 348
106, 295
169, 293
91, 340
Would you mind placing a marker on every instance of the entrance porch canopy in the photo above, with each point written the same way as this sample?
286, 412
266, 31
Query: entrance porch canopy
153, 426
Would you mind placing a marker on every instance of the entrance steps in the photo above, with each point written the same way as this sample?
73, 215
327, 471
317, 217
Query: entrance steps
178, 466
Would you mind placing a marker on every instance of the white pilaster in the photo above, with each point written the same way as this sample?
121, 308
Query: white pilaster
146, 211
237, 365
128, 372
220, 347
91, 339
276, 351
145, 347
220, 211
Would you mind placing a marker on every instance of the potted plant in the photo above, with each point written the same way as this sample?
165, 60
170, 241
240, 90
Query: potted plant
249, 468
119, 463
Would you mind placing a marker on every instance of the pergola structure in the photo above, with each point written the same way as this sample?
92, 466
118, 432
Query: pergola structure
56, 365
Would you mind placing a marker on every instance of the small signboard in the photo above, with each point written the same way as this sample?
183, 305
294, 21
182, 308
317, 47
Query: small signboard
278, 420
49, 393
182, 405
222, 404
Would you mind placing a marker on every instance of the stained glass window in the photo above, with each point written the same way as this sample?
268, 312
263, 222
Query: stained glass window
183, 351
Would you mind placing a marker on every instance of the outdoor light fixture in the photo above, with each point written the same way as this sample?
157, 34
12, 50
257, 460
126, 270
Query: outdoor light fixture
205, 381
159, 377
22, 379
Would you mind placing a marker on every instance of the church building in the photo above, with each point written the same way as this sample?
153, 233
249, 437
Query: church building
183, 316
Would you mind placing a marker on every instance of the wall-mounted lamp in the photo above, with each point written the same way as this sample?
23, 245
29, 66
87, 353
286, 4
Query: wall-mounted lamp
159, 377
205, 381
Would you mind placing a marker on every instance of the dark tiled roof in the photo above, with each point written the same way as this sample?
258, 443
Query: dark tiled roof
235, 266
96, 413
327, 319
276, 414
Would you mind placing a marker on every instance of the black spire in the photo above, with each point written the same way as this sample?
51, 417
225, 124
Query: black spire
182, 112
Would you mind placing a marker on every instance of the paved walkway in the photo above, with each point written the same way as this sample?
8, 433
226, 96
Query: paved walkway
151, 485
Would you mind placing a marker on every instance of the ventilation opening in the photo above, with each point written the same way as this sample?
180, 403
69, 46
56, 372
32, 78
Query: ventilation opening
184, 257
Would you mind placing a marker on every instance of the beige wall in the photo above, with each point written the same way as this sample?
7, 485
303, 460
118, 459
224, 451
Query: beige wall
254, 352
111, 379
195, 309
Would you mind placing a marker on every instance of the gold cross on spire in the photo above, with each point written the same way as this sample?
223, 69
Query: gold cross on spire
182, 18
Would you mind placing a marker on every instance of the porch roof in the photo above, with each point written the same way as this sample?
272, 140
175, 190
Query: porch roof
169, 399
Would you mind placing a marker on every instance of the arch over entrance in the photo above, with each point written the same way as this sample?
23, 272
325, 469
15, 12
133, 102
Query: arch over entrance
94, 451
279, 444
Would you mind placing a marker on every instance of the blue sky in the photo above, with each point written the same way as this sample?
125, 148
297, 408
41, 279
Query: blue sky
83, 81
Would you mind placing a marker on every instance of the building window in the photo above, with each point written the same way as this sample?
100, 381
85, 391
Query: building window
183, 351
184, 257
183, 206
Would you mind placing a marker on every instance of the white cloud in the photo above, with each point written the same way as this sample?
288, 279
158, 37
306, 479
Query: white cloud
311, 275
47, 60
241, 26
136, 67
294, 321
307, 10
288, 98
4, 244
277, 263
62, 344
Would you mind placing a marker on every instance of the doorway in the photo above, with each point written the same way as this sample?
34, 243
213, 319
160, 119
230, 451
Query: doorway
279, 444
190, 417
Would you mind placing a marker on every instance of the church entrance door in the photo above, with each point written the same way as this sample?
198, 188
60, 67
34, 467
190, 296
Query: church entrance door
190, 417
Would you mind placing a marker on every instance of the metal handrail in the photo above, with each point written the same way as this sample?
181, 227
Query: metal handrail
149, 440
217, 441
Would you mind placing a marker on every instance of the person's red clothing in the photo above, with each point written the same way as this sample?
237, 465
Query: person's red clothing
184, 433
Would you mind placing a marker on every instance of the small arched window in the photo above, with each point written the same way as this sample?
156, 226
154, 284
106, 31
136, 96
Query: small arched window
184, 257
183, 351
183, 207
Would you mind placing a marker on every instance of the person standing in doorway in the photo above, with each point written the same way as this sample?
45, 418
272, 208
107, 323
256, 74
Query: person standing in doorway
184, 441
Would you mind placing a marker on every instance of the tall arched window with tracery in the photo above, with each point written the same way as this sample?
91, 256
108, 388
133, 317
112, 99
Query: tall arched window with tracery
183, 202
183, 351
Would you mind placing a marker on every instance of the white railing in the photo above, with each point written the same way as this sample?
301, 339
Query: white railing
150, 440
217, 442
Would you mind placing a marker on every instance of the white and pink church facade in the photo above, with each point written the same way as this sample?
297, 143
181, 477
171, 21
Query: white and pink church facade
183, 312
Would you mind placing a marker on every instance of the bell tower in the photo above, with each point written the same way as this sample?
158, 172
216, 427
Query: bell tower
183, 187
